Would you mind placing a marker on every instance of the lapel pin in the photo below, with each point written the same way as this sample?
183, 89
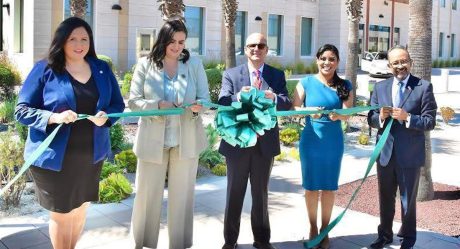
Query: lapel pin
101, 72
182, 76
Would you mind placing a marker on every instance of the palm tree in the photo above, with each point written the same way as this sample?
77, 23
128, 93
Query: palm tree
354, 13
420, 12
78, 8
229, 8
172, 9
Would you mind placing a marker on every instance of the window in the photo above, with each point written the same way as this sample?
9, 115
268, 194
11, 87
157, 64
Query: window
452, 45
306, 36
361, 38
442, 3
379, 38
454, 4
396, 36
19, 26
145, 42
145, 37
194, 23
240, 31
89, 11
275, 28
441, 41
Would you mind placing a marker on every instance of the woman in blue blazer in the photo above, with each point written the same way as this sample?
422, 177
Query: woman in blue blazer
70, 81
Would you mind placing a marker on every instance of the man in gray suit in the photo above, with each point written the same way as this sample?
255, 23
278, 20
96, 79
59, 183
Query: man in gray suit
253, 163
410, 101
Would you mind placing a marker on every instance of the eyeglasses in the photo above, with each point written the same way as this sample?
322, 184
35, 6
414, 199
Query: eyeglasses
330, 59
402, 63
259, 46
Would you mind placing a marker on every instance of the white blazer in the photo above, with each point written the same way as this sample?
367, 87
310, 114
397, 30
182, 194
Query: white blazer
147, 89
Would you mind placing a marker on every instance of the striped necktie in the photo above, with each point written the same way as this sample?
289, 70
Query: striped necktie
257, 81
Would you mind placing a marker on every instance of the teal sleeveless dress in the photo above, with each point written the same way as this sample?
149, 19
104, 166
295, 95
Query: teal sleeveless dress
321, 142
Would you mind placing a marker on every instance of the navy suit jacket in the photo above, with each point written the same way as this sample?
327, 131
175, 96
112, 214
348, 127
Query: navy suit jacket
232, 82
407, 145
45, 92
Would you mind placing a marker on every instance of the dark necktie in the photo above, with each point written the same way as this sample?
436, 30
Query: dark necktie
257, 81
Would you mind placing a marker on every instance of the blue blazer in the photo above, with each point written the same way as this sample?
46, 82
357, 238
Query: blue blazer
406, 144
45, 92
232, 81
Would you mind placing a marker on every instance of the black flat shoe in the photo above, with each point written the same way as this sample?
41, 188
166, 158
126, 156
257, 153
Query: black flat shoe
380, 242
260, 245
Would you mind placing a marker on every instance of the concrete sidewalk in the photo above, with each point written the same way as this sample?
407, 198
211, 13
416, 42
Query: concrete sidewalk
108, 224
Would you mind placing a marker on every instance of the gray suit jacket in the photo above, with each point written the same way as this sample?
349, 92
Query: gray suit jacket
147, 89
407, 145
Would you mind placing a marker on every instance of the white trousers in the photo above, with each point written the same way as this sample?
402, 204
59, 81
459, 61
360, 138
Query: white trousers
150, 182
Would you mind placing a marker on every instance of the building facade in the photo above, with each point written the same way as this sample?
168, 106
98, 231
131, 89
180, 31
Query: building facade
294, 28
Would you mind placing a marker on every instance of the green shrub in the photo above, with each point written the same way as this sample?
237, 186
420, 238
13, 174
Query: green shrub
451, 63
212, 64
281, 157
106, 59
6, 63
214, 81
6, 82
210, 156
313, 68
293, 125
22, 131
126, 160
109, 168
294, 154
443, 64
275, 63
287, 73
11, 158
457, 63
7, 109
219, 170
289, 136
126, 84
299, 67
117, 137
435, 63
291, 85
363, 139
114, 188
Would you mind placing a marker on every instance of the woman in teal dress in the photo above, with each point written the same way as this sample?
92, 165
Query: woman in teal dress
321, 143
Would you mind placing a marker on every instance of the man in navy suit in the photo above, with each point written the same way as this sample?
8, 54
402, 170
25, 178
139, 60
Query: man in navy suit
411, 103
253, 163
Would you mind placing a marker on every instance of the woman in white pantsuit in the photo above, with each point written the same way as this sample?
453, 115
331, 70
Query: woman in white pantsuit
168, 77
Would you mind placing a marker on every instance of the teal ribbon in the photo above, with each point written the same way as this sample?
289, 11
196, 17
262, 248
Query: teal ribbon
41, 148
241, 123
347, 111
378, 148
45, 144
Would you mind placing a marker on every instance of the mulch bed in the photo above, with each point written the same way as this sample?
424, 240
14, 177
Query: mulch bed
441, 215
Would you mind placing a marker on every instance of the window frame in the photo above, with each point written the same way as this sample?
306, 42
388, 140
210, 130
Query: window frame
202, 40
280, 39
452, 45
440, 44
244, 31
311, 37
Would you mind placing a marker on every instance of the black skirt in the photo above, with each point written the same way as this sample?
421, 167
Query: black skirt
78, 180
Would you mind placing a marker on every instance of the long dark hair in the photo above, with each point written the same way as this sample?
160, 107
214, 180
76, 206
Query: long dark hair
338, 83
164, 38
56, 56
